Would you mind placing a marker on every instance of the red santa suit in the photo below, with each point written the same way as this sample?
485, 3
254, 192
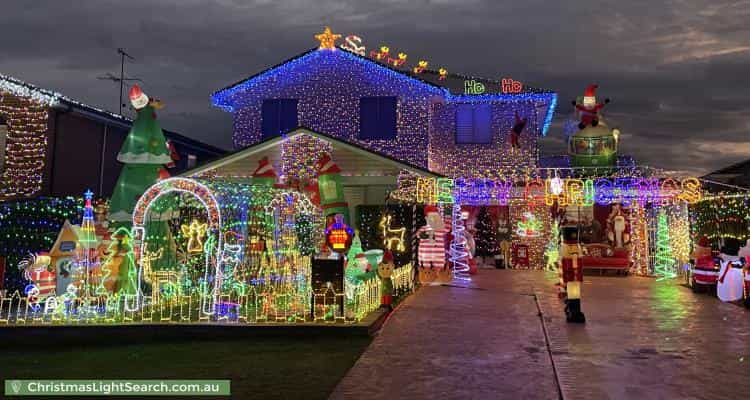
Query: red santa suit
433, 242
589, 109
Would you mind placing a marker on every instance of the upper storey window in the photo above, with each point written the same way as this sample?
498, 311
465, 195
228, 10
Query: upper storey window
377, 118
278, 116
473, 124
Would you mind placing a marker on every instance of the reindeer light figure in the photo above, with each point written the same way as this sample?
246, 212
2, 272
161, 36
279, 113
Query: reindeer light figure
393, 239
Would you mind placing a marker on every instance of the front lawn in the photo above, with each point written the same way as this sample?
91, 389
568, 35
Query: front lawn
259, 368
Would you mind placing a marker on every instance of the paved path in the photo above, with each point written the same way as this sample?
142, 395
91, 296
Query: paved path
457, 343
644, 340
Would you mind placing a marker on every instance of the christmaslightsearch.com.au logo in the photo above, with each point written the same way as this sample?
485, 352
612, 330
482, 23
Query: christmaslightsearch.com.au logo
61, 387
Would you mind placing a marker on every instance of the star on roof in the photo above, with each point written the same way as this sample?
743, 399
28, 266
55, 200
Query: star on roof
327, 39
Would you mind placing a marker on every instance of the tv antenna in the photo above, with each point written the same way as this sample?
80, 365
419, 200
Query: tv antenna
122, 79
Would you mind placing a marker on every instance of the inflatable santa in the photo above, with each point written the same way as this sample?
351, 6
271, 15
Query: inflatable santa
588, 109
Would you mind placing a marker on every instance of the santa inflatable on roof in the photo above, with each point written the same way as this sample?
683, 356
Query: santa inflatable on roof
588, 108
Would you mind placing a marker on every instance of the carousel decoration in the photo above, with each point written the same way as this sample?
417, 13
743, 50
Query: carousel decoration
594, 144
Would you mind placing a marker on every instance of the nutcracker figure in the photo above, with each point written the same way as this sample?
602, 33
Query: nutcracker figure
571, 276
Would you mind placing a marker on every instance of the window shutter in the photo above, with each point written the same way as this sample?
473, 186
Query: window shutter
288, 120
464, 123
387, 118
482, 123
270, 118
368, 117
278, 116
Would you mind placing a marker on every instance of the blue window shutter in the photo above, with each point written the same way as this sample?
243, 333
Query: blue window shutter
270, 118
278, 116
387, 118
464, 123
288, 120
482, 123
368, 118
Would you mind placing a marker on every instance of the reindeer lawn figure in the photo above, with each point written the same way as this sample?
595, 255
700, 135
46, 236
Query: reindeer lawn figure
393, 239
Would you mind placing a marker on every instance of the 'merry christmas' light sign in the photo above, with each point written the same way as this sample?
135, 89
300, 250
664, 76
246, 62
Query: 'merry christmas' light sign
479, 191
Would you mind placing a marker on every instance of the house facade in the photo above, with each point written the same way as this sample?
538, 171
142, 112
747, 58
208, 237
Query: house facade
52, 145
440, 122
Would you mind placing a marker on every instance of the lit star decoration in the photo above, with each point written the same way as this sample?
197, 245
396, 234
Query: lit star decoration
327, 39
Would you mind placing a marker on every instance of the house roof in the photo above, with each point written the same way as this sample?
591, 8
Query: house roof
736, 169
58, 100
451, 88
351, 158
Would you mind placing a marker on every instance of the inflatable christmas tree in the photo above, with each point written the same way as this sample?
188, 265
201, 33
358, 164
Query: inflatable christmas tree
144, 154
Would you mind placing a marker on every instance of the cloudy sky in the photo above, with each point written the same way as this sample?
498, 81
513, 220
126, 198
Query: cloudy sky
676, 70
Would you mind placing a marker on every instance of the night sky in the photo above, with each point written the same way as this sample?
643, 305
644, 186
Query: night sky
676, 71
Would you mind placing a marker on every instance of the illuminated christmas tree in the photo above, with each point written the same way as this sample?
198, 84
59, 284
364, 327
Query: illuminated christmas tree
305, 235
485, 238
88, 231
663, 260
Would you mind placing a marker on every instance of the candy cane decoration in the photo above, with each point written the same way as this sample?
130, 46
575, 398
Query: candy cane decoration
458, 253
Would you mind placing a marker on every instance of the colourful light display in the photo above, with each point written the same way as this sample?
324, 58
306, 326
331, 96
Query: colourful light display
327, 39
25, 112
664, 259
508, 85
339, 235
473, 87
604, 191
316, 80
458, 254
393, 238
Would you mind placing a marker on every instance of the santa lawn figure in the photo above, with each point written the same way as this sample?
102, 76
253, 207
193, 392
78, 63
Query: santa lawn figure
705, 271
515, 131
588, 108
433, 238
571, 274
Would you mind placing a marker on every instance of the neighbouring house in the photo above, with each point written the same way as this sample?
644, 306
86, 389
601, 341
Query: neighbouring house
737, 174
52, 145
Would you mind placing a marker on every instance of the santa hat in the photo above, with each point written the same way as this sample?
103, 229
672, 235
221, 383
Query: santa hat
360, 256
137, 98
173, 154
703, 242
265, 169
326, 166
429, 210
590, 92
388, 257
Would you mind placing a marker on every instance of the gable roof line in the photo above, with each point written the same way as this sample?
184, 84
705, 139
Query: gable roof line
405, 73
301, 130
